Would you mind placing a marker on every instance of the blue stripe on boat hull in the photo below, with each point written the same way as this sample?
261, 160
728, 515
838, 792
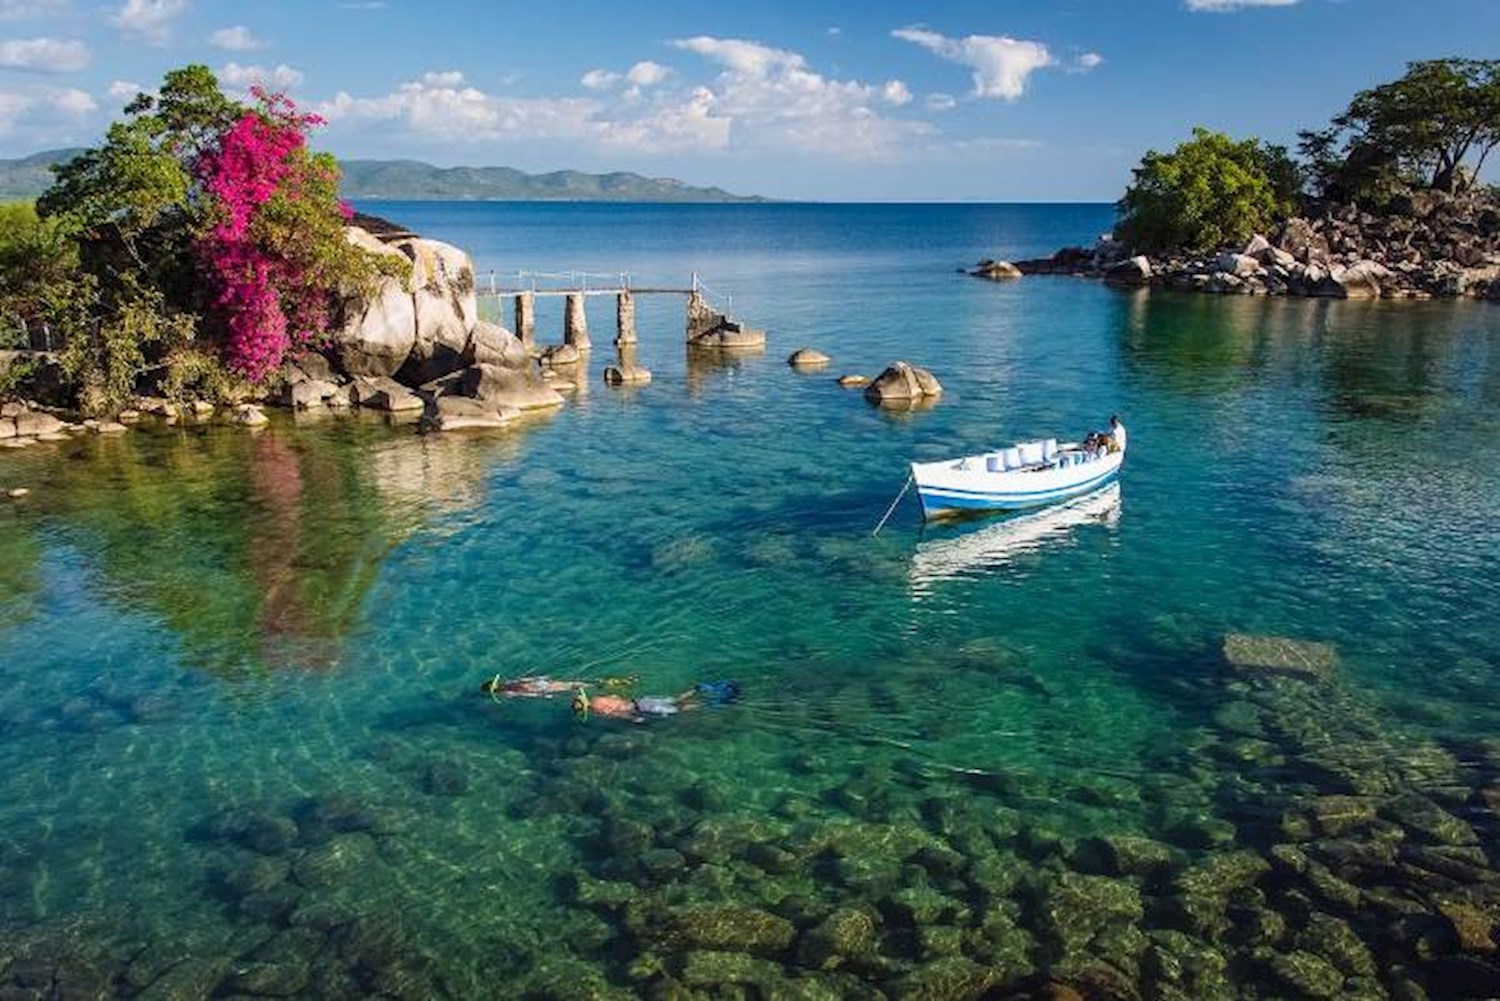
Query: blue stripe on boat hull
937, 501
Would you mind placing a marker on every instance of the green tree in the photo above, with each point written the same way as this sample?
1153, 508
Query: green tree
1209, 191
40, 278
1441, 116
133, 218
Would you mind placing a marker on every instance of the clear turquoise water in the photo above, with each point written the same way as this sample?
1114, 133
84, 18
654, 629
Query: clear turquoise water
197, 621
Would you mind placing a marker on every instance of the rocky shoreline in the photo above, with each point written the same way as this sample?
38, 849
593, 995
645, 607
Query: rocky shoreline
1426, 245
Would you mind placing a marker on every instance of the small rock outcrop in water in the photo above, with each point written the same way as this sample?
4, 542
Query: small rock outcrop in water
808, 358
626, 374
709, 328
903, 383
1425, 244
999, 271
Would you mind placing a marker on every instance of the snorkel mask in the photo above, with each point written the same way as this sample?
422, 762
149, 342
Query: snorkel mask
581, 704
494, 686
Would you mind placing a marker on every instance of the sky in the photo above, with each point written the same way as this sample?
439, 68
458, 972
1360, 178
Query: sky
1007, 100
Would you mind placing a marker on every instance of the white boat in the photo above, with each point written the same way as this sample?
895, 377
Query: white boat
994, 545
1030, 474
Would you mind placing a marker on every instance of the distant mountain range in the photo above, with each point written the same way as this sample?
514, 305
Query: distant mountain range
29, 176
411, 180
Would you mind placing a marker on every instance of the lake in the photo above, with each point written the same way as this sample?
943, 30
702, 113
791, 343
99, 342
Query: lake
245, 752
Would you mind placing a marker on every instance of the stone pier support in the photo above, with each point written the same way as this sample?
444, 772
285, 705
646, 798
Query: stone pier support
526, 319
701, 318
576, 323
625, 319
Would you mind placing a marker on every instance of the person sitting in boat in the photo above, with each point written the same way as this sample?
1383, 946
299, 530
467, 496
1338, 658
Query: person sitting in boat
539, 686
1116, 434
645, 707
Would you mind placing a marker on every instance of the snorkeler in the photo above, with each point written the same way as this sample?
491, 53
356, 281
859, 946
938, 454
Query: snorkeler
538, 686
642, 708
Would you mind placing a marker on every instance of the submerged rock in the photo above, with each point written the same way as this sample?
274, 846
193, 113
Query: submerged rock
949, 979
1307, 974
1250, 654
709, 968
846, 933
728, 927
1077, 907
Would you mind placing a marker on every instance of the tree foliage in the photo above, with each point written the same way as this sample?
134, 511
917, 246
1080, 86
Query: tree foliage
1443, 115
40, 278
1209, 191
200, 229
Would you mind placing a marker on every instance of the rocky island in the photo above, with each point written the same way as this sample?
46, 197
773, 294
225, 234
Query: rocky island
1387, 202
1425, 244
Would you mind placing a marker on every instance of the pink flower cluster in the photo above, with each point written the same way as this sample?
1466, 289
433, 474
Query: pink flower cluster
266, 298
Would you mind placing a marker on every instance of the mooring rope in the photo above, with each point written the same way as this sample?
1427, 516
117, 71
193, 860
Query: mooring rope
892, 509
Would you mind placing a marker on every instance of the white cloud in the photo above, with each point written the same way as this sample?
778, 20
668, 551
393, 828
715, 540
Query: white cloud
41, 110
72, 101
895, 92
236, 39
776, 101
599, 79
44, 55
123, 91
758, 99
280, 75
1089, 61
940, 102
437, 106
1229, 6
148, 20
1001, 64
647, 74
24, 10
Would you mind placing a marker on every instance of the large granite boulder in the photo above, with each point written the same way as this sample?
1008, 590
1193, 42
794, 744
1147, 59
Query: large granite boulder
506, 387
446, 308
379, 327
1302, 241
1239, 265
491, 344
903, 382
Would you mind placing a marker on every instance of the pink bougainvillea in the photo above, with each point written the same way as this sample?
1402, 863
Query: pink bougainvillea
264, 287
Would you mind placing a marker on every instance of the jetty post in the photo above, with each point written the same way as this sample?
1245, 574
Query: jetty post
576, 323
701, 317
625, 318
526, 318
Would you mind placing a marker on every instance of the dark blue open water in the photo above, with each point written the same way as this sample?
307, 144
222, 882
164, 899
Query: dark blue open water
242, 749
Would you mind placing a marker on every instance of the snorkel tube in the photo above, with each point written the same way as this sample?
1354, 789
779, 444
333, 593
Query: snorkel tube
581, 705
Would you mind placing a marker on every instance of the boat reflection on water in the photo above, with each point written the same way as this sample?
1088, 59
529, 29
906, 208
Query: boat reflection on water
954, 556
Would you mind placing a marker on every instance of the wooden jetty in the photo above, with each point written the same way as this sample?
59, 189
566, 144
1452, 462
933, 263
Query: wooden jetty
708, 324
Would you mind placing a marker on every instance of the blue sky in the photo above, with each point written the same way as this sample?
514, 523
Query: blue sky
997, 101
